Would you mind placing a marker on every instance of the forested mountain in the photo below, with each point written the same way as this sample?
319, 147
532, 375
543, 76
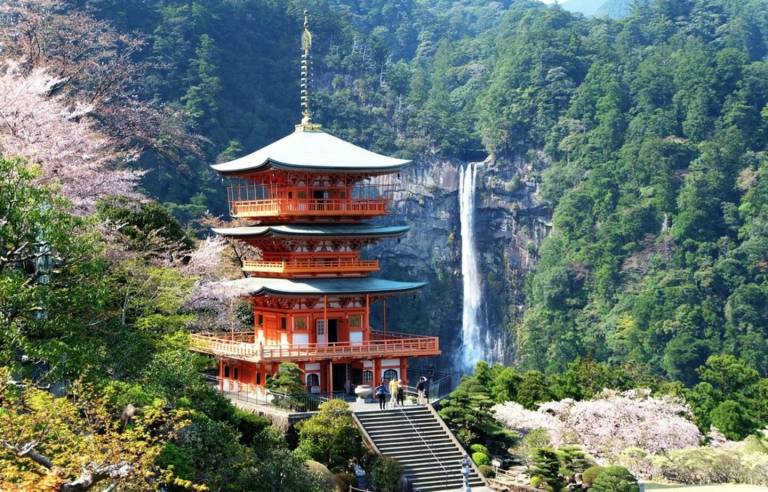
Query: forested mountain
647, 135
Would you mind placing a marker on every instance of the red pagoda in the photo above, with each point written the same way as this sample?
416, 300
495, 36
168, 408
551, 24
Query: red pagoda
307, 198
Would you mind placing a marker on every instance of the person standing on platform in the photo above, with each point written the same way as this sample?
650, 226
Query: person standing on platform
393, 387
400, 393
381, 394
421, 388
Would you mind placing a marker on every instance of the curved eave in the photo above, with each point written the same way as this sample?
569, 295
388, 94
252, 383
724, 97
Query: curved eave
312, 151
272, 164
257, 232
326, 286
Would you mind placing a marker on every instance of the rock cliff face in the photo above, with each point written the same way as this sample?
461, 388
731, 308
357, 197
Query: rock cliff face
510, 225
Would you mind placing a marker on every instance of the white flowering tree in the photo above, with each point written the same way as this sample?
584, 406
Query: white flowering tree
70, 151
609, 424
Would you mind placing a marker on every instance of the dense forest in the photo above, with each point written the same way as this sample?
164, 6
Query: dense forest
647, 136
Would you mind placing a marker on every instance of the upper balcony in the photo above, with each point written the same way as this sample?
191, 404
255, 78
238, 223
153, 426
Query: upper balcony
309, 196
311, 267
243, 347
308, 208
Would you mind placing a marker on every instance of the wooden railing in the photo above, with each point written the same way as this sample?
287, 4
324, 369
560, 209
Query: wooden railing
393, 346
317, 207
312, 265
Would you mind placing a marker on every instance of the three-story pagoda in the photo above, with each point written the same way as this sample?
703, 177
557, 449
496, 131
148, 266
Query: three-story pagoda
308, 199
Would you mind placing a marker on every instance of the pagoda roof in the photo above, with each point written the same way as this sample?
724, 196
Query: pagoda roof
312, 230
312, 150
321, 286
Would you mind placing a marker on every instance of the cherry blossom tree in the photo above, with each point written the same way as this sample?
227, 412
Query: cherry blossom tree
93, 62
610, 423
70, 151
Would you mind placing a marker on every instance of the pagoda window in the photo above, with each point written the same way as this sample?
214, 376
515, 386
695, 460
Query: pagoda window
235, 374
283, 323
226, 371
258, 378
302, 195
367, 377
300, 323
390, 374
355, 321
313, 379
260, 319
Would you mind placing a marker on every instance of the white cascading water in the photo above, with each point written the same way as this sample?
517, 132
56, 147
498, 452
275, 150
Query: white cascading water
472, 349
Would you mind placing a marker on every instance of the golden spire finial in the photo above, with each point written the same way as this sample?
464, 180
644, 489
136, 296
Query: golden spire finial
306, 64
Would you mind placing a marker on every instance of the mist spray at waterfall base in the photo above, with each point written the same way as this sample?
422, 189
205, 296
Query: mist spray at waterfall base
473, 347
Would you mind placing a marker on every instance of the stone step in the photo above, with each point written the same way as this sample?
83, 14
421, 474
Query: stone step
387, 448
421, 439
414, 436
447, 483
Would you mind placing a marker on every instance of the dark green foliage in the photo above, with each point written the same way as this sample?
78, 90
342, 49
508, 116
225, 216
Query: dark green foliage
730, 396
386, 474
149, 226
573, 460
654, 260
615, 479
467, 410
533, 389
545, 464
330, 437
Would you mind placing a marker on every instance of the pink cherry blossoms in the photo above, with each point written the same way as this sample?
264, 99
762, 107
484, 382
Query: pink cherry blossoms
610, 423
60, 139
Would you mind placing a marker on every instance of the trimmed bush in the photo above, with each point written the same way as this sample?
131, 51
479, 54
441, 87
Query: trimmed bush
590, 474
479, 448
481, 459
615, 479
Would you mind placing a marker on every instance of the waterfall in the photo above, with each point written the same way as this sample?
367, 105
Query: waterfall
472, 349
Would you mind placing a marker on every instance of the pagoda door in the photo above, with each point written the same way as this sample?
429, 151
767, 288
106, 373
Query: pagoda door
322, 340
333, 330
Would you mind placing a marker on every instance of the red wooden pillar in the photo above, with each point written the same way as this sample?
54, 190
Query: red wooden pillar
375, 372
221, 375
330, 377
404, 370
367, 325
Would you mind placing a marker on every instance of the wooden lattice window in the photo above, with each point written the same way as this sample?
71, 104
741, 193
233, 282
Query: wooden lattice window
367, 377
356, 321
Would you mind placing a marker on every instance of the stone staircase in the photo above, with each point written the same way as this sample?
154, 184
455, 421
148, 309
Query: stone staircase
419, 440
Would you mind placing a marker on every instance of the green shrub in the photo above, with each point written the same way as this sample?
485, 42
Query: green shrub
545, 463
173, 456
386, 474
487, 471
481, 458
250, 425
615, 479
590, 474
330, 436
573, 460
479, 448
